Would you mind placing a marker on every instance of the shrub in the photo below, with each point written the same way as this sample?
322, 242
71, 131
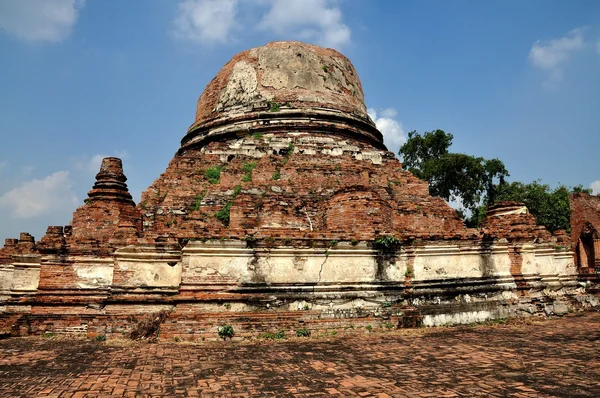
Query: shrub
225, 331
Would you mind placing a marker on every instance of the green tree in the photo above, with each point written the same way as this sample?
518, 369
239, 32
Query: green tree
452, 175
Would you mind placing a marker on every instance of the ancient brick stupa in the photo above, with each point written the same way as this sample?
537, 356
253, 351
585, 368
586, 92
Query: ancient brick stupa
281, 207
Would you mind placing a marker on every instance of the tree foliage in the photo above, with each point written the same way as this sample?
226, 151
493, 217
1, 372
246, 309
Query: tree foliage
452, 176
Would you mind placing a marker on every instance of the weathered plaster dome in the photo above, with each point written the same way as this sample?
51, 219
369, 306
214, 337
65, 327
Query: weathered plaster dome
291, 83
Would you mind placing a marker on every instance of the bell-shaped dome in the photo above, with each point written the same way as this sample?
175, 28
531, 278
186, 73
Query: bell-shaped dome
285, 84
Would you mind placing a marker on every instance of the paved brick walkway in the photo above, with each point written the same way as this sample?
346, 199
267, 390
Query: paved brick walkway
553, 358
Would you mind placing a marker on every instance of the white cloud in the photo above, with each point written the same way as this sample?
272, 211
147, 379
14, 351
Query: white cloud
552, 55
206, 21
393, 133
318, 20
39, 20
37, 197
595, 186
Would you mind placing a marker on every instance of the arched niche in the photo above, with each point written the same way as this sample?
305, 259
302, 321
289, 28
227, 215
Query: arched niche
588, 247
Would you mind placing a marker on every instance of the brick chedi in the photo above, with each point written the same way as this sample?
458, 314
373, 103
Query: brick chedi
281, 206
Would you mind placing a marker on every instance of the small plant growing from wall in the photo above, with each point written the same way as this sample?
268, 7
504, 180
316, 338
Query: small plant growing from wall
198, 201
225, 331
247, 168
213, 174
223, 214
101, 337
386, 243
304, 332
279, 335
274, 106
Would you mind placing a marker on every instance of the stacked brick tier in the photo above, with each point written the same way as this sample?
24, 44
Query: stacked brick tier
294, 186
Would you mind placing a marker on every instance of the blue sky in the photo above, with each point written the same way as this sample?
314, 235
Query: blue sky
516, 80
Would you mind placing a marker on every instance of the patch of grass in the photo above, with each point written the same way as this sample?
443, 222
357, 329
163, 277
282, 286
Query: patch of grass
227, 306
369, 328
409, 272
387, 304
213, 174
389, 325
101, 337
257, 135
276, 175
306, 307
48, 334
354, 242
324, 67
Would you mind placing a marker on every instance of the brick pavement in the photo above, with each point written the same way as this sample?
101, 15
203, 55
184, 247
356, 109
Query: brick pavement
551, 358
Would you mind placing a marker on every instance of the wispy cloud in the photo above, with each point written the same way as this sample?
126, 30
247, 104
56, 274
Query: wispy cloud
314, 20
552, 56
206, 21
595, 186
392, 130
209, 22
39, 20
38, 197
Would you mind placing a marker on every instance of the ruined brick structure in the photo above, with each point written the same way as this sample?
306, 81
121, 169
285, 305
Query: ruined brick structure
281, 208
585, 239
